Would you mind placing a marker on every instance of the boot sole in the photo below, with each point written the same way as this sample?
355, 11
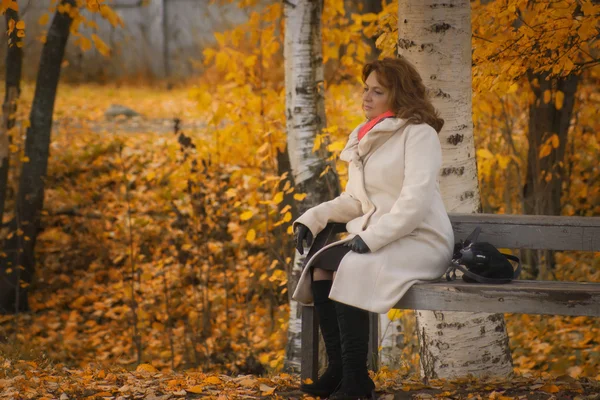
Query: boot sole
372, 396
320, 393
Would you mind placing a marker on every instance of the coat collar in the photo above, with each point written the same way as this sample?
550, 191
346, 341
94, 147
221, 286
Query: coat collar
376, 136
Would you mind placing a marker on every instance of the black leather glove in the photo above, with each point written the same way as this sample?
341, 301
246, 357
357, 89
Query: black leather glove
302, 233
358, 245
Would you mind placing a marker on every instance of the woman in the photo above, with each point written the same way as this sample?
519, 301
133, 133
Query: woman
399, 231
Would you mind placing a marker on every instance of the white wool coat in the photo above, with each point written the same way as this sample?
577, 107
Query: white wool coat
392, 201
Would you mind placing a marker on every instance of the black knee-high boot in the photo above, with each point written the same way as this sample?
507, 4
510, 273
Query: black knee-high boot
354, 330
328, 322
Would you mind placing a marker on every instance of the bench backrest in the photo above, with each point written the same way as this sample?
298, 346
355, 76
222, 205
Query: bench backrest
541, 232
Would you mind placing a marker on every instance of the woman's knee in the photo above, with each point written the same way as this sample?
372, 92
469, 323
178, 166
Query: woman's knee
322, 275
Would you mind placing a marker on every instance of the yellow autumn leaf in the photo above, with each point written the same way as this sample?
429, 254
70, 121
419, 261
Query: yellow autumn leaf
485, 153
195, 389
338, 145
44, 19
251, 235
588, 8
266, 390
84, 43
503, 161
102, 47
394, 314
246, 215
213, 380
264, 358
299, 196
558, 101
111, 16
317, 143
278, 198
12, 5
547, 96
550, 388
287, 217
21, 24
146, 368
290, 230
545, 151
554, 140
248, 382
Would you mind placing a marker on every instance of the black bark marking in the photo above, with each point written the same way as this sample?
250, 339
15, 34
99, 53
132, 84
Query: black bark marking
405, 44
453, 171
495, 317
440, 93
440, 27
427, 47
455, 139
467, 195
457, 325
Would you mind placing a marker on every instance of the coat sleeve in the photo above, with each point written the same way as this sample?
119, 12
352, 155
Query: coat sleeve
422, 162
343, 208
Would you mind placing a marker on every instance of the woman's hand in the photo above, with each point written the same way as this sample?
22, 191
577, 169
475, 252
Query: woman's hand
358, 245
302, 233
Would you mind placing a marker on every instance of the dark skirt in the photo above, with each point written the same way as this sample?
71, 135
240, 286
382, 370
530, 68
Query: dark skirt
330, 259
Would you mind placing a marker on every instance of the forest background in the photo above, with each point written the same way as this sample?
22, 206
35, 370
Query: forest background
165, 237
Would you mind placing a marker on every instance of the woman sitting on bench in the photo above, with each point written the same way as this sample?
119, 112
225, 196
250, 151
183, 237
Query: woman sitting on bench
399, 231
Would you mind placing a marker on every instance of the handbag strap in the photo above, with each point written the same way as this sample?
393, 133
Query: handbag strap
517, 260
472, 236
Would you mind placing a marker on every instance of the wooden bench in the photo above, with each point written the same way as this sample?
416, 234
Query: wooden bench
522, 296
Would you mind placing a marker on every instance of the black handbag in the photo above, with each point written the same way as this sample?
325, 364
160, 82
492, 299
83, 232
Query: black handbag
482, 262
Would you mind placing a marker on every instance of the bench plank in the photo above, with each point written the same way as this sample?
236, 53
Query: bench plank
530, 231
524, 297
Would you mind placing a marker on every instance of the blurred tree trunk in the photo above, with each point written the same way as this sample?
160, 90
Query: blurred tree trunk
305, 118
375, 7
549, 123
14, 64
18, 267
436, 37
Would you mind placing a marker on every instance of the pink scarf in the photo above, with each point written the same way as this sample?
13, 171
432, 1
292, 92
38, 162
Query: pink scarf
369, 125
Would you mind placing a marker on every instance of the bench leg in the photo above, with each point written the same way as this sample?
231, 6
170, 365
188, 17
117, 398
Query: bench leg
373, 357
309, 360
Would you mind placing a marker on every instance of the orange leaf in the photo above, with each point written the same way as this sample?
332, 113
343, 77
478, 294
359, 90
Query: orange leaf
44, 19
549, 388
195, 389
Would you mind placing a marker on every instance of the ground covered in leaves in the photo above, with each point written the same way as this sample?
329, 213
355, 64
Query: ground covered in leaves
43, 380
215, 308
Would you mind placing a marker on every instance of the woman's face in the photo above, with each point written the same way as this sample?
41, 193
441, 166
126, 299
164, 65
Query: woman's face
376, 98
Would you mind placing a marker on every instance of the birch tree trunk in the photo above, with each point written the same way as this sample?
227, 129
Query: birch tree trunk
305, 118
435, 35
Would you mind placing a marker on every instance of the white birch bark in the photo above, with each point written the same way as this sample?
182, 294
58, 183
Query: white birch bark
305, 118
435, 35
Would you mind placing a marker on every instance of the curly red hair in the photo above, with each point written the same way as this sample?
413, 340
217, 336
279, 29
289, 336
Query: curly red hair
408, 94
